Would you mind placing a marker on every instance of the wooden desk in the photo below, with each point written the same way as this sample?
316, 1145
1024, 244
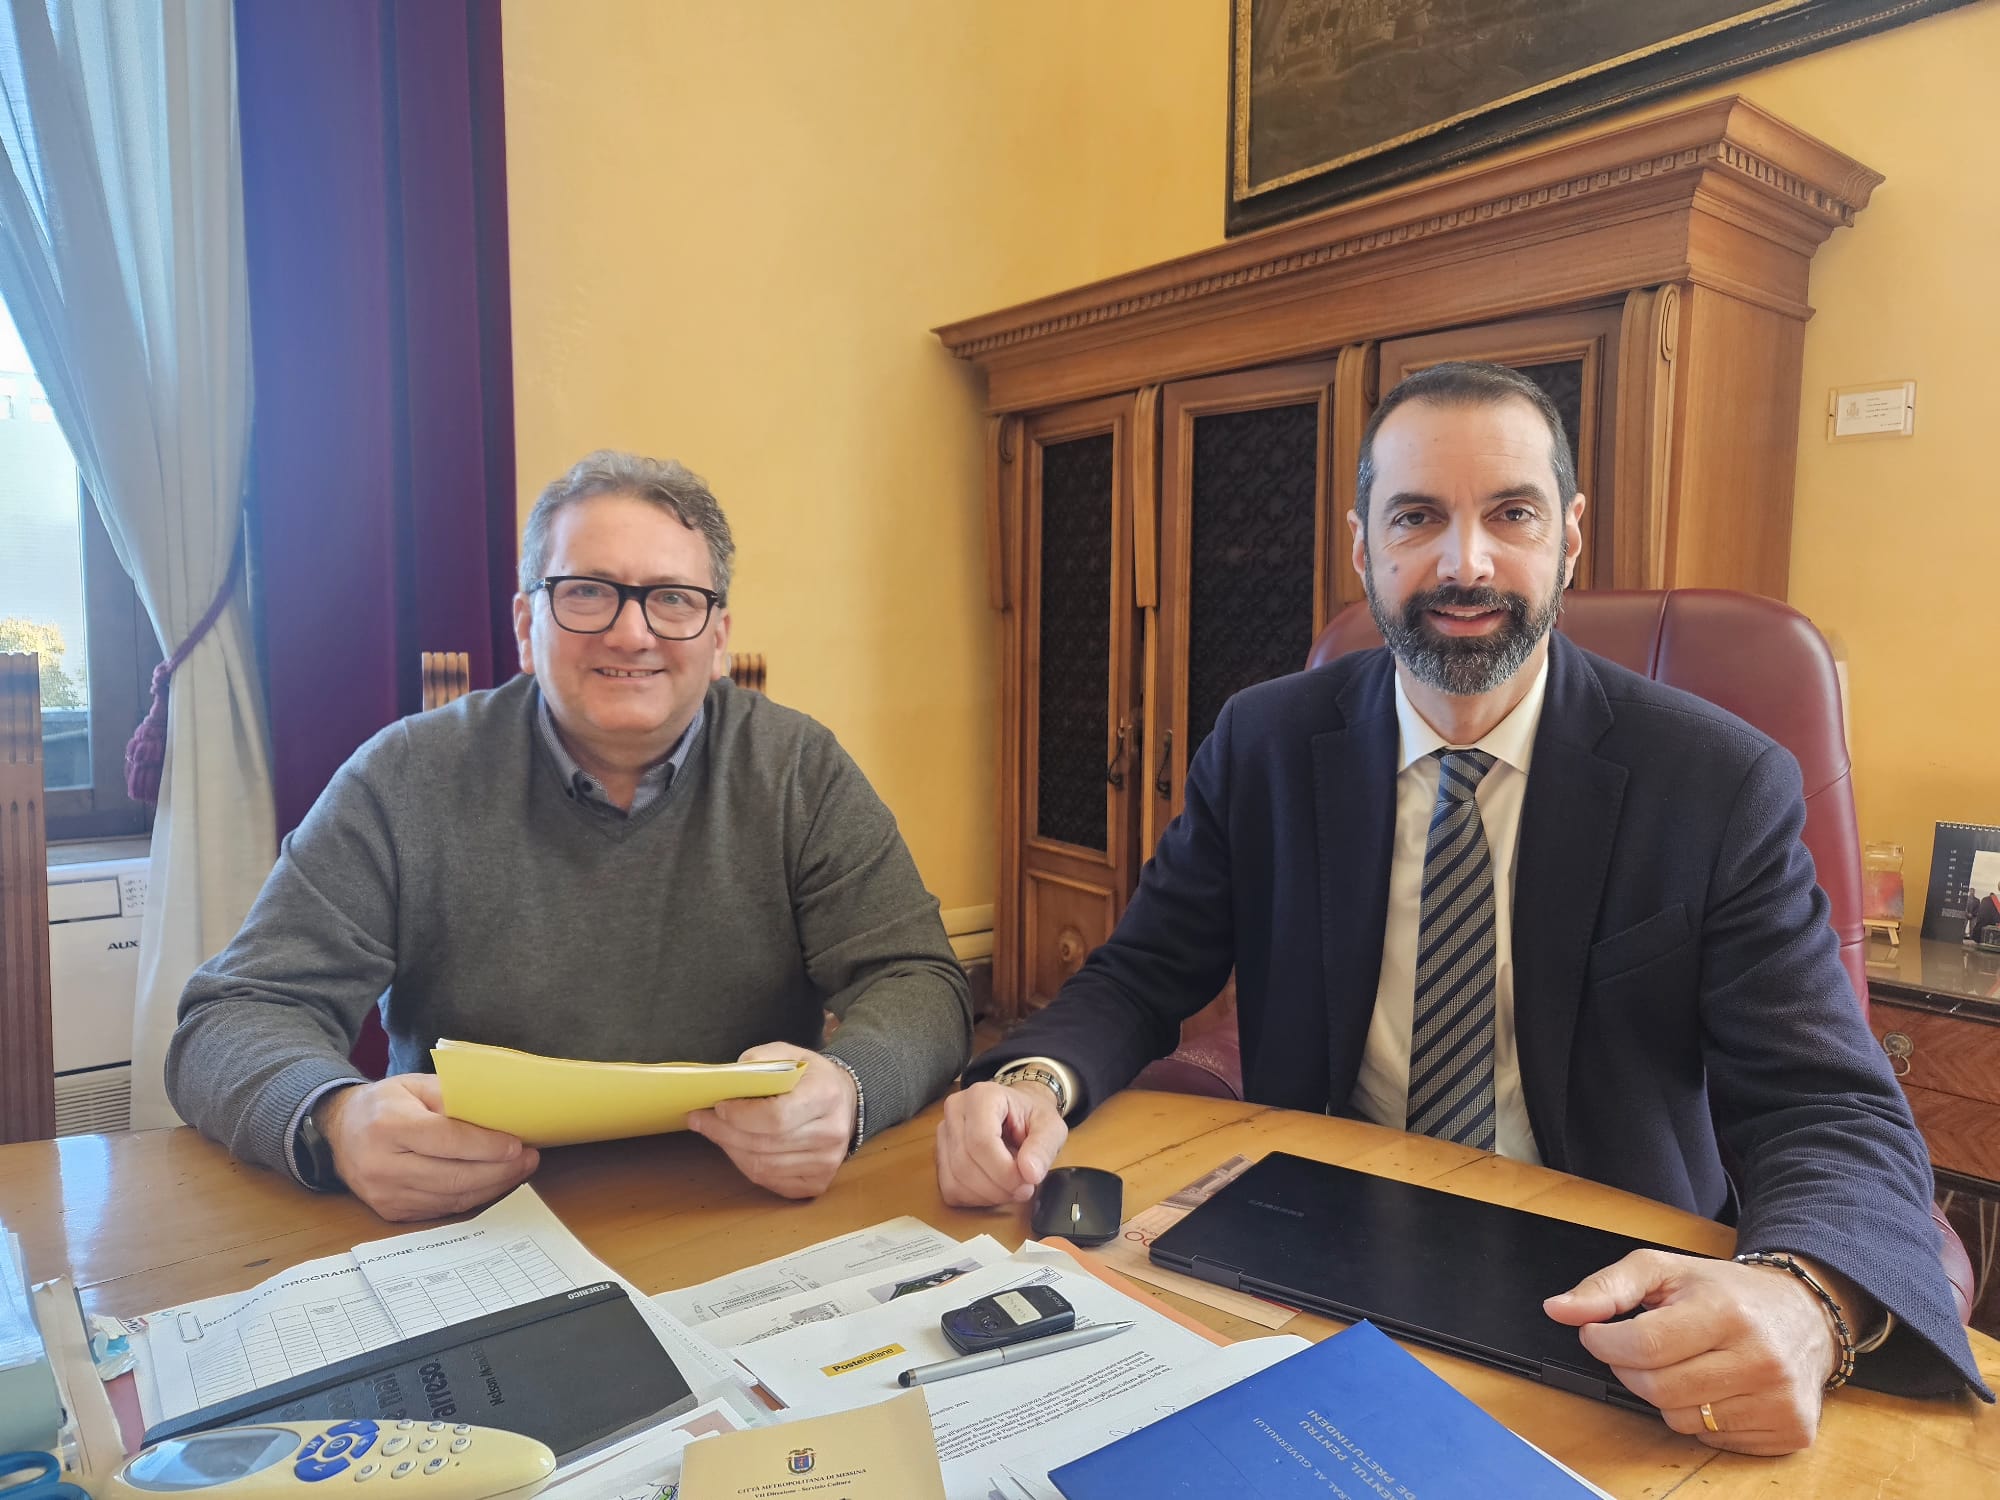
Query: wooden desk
144, 1220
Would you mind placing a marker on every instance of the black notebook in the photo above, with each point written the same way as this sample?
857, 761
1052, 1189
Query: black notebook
568, 1370
1450, 1272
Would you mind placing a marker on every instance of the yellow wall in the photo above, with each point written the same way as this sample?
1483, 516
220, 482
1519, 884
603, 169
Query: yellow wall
1895, 542
733, 224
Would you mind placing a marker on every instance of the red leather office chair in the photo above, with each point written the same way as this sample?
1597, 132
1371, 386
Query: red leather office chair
1761, 660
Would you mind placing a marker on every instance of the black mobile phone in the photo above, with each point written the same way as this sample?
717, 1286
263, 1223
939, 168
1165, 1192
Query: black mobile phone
1011, 1317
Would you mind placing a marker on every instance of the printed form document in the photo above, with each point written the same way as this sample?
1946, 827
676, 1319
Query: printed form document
342, 1305
999, 1432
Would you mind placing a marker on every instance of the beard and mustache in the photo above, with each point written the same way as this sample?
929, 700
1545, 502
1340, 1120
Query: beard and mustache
1463, 666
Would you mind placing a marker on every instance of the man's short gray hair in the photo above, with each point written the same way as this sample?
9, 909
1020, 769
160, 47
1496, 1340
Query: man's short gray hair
1468, 383
661, 482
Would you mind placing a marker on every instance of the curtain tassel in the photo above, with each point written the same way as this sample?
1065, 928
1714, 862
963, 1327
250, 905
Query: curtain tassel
146, 751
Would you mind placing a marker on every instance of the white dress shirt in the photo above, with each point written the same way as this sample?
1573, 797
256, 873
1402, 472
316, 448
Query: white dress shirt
1382, 1091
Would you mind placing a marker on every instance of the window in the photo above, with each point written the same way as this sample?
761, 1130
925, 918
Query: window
65, 596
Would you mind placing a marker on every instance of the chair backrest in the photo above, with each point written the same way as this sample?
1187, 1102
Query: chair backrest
747, 670
27, 1024
1761, 660
447, 675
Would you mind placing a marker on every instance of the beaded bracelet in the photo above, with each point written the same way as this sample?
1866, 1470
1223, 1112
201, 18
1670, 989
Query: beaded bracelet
860, 1102
1846, 1335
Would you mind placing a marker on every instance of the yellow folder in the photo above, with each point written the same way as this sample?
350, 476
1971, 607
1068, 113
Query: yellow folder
563, 1101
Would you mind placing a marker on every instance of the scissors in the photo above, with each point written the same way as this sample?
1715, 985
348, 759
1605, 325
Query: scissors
43, 1483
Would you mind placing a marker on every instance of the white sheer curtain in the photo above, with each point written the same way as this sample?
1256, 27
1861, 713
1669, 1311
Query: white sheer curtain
121, 258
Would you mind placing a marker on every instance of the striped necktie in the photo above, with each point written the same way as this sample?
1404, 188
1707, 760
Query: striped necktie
1451, 1033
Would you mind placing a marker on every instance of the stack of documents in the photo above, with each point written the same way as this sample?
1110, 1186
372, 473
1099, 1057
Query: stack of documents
565, 1101
824, 1332
647, 1465
822, 1345
343, 1305
849, 1274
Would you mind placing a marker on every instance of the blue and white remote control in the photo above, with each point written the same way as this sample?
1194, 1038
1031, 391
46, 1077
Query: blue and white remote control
432, 1460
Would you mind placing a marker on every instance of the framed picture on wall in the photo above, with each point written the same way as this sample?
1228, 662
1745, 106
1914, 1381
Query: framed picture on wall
1329, 99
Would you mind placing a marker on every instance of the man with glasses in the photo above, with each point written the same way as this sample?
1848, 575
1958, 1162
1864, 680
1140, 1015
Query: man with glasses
618, 856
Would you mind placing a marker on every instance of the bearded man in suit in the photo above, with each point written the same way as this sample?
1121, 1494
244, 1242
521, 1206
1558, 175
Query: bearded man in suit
1483, 885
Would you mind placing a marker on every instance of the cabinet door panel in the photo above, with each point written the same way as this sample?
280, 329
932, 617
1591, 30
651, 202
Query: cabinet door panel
1253, 504
1075, 510
1066, 918
1249, 550
1076, 824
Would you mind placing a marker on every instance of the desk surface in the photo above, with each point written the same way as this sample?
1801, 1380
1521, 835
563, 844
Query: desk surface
145, 1220
1936, 975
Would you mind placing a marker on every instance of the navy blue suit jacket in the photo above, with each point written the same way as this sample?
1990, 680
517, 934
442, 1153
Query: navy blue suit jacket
1678, 992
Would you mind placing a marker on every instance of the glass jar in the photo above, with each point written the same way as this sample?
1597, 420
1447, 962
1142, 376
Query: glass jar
1882, 882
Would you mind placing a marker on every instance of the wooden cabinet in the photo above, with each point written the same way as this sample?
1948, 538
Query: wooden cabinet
1951, 1075
1171, 453
1935, 1007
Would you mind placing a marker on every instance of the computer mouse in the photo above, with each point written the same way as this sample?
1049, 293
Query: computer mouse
1084, 1204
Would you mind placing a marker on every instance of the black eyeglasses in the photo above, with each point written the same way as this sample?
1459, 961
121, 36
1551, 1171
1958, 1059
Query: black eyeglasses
591, 606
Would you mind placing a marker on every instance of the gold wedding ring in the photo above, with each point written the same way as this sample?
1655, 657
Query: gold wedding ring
1708, 1417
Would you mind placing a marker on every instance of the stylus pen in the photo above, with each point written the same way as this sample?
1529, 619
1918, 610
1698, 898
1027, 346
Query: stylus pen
1008, 1354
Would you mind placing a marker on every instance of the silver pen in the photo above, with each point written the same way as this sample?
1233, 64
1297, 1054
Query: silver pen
988, 1359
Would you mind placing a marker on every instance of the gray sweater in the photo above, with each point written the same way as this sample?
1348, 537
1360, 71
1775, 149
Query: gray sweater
447, 865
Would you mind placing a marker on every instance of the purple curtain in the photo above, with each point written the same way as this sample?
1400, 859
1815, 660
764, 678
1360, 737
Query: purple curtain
381, 495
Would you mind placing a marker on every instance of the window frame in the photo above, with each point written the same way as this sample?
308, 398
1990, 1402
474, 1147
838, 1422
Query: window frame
120, 652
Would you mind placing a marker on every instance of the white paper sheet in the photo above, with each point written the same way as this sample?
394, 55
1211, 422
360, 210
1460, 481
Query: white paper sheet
203, 1352
513, 1253
647, 1466
999, 1417
1116, 1419
385, 1290
860, 1293
1985, 877
879, 1248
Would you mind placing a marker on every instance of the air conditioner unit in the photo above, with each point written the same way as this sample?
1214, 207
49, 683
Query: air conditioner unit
94, 915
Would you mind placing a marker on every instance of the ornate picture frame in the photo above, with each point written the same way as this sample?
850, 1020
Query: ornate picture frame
1329, 99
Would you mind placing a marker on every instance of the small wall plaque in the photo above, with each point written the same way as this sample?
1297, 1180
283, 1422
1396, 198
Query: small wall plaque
1871, 411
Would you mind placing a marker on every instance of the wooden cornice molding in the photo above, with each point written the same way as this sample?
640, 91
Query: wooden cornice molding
1727, 159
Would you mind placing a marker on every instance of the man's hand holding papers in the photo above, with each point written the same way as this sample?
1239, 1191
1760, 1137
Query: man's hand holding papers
398, 1152
790, 1143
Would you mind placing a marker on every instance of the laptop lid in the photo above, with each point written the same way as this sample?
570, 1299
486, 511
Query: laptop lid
1450, 1272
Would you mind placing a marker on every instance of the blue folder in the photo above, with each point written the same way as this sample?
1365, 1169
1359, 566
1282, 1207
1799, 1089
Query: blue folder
1355, 1415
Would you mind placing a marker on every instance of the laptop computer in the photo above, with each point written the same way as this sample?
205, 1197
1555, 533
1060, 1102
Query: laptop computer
1449, 1272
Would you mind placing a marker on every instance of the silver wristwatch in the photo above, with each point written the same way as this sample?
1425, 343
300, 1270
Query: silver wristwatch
1037, 1073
